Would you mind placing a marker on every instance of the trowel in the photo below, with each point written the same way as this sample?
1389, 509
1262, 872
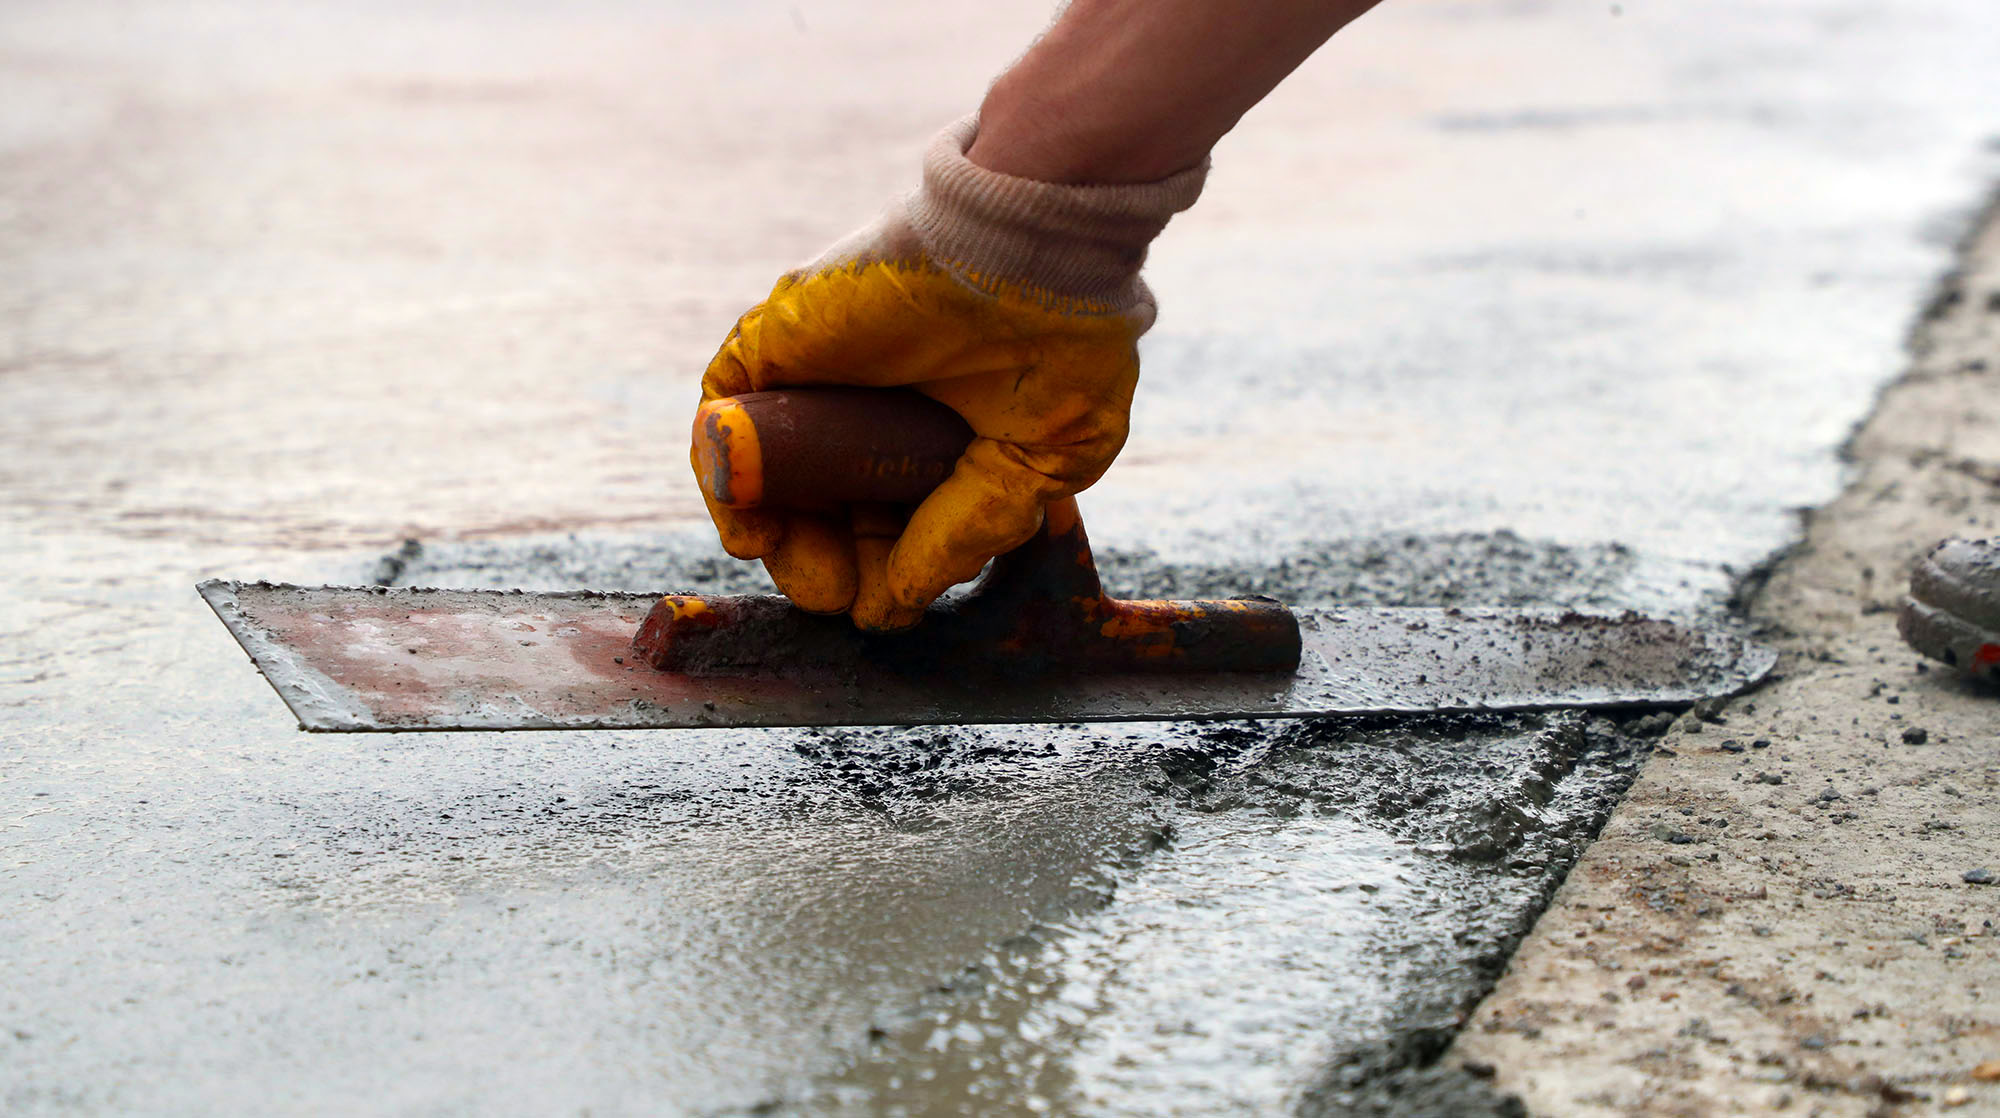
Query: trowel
1035, 640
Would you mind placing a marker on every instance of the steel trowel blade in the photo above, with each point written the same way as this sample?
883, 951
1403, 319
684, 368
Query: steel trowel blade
351, 659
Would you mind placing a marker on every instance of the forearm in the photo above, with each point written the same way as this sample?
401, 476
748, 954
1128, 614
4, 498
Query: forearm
1133, 90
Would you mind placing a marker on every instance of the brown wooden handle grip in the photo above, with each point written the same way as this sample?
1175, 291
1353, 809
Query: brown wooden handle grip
815, 447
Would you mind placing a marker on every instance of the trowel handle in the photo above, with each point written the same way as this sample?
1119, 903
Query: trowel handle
814, 447
1040, 607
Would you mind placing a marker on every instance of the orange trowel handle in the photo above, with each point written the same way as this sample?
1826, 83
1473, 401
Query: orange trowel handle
813, 447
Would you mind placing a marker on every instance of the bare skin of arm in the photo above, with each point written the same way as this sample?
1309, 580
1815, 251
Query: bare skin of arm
1126, 91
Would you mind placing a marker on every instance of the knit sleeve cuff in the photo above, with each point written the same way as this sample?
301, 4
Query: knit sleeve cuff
1077, 242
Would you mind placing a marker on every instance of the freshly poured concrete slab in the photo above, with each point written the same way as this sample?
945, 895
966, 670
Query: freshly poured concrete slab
1536, 305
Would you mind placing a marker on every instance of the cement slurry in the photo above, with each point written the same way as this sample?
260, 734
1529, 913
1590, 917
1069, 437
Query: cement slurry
1515, 303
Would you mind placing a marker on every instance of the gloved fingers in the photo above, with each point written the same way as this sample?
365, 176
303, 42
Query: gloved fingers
876, 528
813, 563
728, 372
990, 505
879, 323
873, 323
745, 533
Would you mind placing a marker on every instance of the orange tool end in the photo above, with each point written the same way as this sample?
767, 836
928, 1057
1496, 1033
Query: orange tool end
728, 459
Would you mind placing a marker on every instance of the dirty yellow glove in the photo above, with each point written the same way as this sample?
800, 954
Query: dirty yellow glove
1016, 303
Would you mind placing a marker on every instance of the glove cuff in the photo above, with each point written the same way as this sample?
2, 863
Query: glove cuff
1073, 242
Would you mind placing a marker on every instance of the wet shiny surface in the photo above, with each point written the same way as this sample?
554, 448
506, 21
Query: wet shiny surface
1494, 304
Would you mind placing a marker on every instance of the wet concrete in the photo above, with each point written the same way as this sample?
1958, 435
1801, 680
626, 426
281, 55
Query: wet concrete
1290, 851
1291, 855
1518, 304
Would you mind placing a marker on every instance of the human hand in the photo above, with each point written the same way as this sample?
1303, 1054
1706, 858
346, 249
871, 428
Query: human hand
1017, 304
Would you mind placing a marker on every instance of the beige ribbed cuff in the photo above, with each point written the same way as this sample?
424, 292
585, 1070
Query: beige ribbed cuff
1080, 242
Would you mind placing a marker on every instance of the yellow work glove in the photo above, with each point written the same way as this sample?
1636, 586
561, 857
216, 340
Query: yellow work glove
1016, 303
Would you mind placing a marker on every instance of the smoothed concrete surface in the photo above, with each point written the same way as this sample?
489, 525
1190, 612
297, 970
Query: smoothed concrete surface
1525, 303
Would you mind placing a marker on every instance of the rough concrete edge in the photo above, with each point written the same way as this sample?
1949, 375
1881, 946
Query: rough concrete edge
1719, 980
